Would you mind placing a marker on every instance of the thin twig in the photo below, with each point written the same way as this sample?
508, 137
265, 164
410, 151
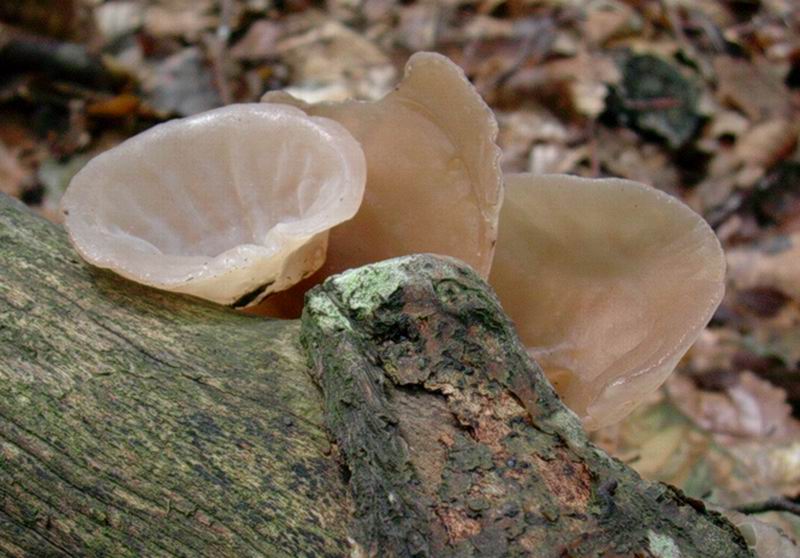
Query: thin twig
773, 504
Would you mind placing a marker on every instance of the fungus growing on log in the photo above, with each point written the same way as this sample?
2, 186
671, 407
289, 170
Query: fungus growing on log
205, 206
608, 281
433, 177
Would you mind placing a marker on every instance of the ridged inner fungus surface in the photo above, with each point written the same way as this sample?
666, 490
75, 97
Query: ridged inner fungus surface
227, 204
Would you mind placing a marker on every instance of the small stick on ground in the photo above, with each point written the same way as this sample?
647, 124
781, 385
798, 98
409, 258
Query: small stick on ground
772, 504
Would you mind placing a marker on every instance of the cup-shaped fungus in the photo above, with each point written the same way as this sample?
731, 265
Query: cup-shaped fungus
608, 282
228, 205
433, 177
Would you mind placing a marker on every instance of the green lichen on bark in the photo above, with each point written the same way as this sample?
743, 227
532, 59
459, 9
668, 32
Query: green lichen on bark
136, 423
455, 443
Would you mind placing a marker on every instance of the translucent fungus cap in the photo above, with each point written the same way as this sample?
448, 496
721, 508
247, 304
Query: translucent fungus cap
608, 282
228, 205
433, 178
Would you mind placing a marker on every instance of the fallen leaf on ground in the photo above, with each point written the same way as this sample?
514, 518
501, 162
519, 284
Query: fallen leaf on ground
179, 18
12, 174
182, 84
751, 88
260, 41
774, 264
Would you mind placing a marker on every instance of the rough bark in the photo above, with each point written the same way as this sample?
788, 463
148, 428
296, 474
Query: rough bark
137, 423
134, 423
457, 444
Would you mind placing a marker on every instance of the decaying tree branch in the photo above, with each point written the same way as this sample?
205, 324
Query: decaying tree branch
456, 443
136, 423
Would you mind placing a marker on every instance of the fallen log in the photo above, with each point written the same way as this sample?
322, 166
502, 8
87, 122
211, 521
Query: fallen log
399, 417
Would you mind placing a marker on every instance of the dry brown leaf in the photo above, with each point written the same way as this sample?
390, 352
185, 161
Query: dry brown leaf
182, 83
522, 131
662, 442
714, 350
181, 18
756, 149
766, 540
556, 159
750, 88
776, 265
623, 153
483, 27
419, 25
118, 18
330, 55
12, 174
609, 20
726, 123
766, 143
260, 41
749, 408
584, 78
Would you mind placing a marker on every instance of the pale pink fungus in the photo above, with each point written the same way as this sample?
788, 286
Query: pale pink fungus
228, 205
608, 281
433, 180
